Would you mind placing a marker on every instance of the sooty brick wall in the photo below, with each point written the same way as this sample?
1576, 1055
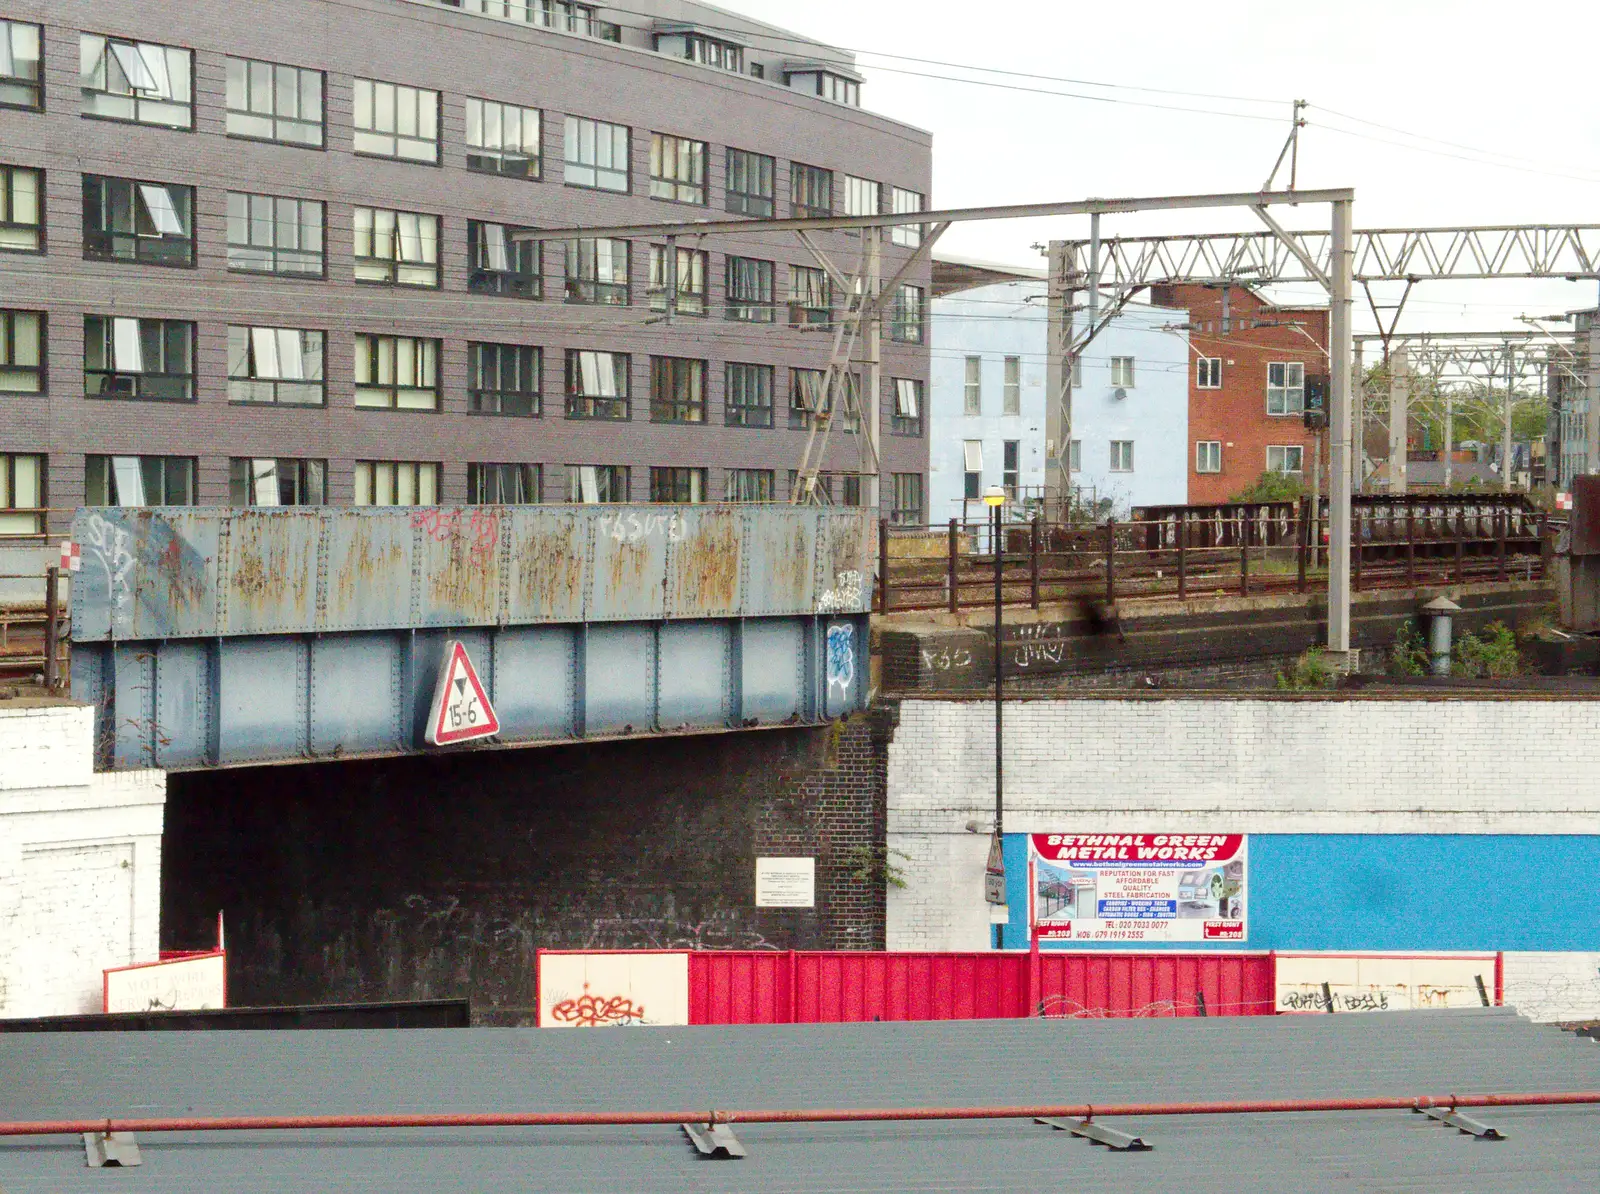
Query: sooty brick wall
432, 877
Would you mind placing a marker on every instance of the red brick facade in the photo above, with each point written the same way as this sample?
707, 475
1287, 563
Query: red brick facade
1234, 413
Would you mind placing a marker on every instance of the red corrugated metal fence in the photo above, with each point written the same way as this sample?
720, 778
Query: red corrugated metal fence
812, 988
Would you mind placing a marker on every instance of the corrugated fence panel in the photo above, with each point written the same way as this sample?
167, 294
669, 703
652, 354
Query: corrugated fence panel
1165, 984
740, 988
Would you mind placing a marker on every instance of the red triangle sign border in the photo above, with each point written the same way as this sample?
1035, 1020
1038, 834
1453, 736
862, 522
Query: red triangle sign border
458, 665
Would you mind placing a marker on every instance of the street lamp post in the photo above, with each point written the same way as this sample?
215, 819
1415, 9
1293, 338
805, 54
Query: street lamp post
995, 498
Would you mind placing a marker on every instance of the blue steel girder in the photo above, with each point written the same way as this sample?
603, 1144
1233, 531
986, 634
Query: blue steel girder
223, 637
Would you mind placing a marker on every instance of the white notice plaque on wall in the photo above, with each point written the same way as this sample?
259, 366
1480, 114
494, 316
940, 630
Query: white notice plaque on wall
786, 883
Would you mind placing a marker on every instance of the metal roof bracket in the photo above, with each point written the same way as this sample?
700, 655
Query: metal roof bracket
111, 1150
1095, 1133
715, 1140
1452, 1118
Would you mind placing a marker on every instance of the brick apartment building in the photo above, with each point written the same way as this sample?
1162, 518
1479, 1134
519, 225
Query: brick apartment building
260, 253
1250, 363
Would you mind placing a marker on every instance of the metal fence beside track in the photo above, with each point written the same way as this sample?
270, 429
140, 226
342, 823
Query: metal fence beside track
1241, 549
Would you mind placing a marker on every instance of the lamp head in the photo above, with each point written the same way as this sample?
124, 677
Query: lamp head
994, 496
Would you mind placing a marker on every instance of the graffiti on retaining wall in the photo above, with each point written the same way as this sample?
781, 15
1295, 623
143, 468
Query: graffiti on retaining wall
844, 597
946, 659
634, 527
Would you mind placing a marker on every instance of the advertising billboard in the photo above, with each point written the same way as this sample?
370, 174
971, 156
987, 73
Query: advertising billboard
1138, 888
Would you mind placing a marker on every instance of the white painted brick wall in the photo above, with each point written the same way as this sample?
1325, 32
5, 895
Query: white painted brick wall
1188, 764
80, 863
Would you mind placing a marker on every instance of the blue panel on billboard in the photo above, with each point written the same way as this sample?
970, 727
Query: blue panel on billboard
1391, 892
694, 674
619, 679
355, 695
261, 709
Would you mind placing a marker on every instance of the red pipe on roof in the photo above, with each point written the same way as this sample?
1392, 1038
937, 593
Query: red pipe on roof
260, 1123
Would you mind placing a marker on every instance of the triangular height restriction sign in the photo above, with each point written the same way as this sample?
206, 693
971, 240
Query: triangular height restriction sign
461, 711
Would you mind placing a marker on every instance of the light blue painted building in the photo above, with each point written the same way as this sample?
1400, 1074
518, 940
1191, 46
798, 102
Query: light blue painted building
987, 402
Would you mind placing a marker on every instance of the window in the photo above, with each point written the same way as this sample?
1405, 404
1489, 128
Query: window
20, 75
1122, 456
22, 352
810, 191
748, 401
808, 396
907, 418
597, 483
503, 139
972, 397
749, 485
677, 390
826, 84
597, 271
396, 483
697, 47
397, 372
565, 15
268, 101
905, 322
904, 202
1011, 466
1075, 456
907, 508
268, 234
688, 280
750, 185
810, 296
679, 485
1077, 371
21, 494
1208, 373
500, 264
136, 80
677, 168
393, 121
505, 484
1208, 456
21, 212
503, 379
400, 248
862, 196
597, 154
1286, 387
1287, 459
750, 290
147, 222
972, 469
597, 385
1011, 389
1122, 372
138, 481
276, 365
145, 359
267, 482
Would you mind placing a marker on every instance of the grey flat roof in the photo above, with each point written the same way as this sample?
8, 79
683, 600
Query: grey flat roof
858, 1065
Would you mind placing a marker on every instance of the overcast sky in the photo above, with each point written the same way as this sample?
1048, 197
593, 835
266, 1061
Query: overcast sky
1513, 92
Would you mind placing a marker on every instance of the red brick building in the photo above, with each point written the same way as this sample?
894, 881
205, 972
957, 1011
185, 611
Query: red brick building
1250, 363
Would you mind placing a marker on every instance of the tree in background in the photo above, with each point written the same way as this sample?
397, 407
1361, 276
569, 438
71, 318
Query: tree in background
1273, 486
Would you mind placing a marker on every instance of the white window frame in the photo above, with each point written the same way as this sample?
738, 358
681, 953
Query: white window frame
862, 196
1122, 372
1288, 393
972, 387
1011, 387
1208, 373
1287, 452
1121, 456
1208, 456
